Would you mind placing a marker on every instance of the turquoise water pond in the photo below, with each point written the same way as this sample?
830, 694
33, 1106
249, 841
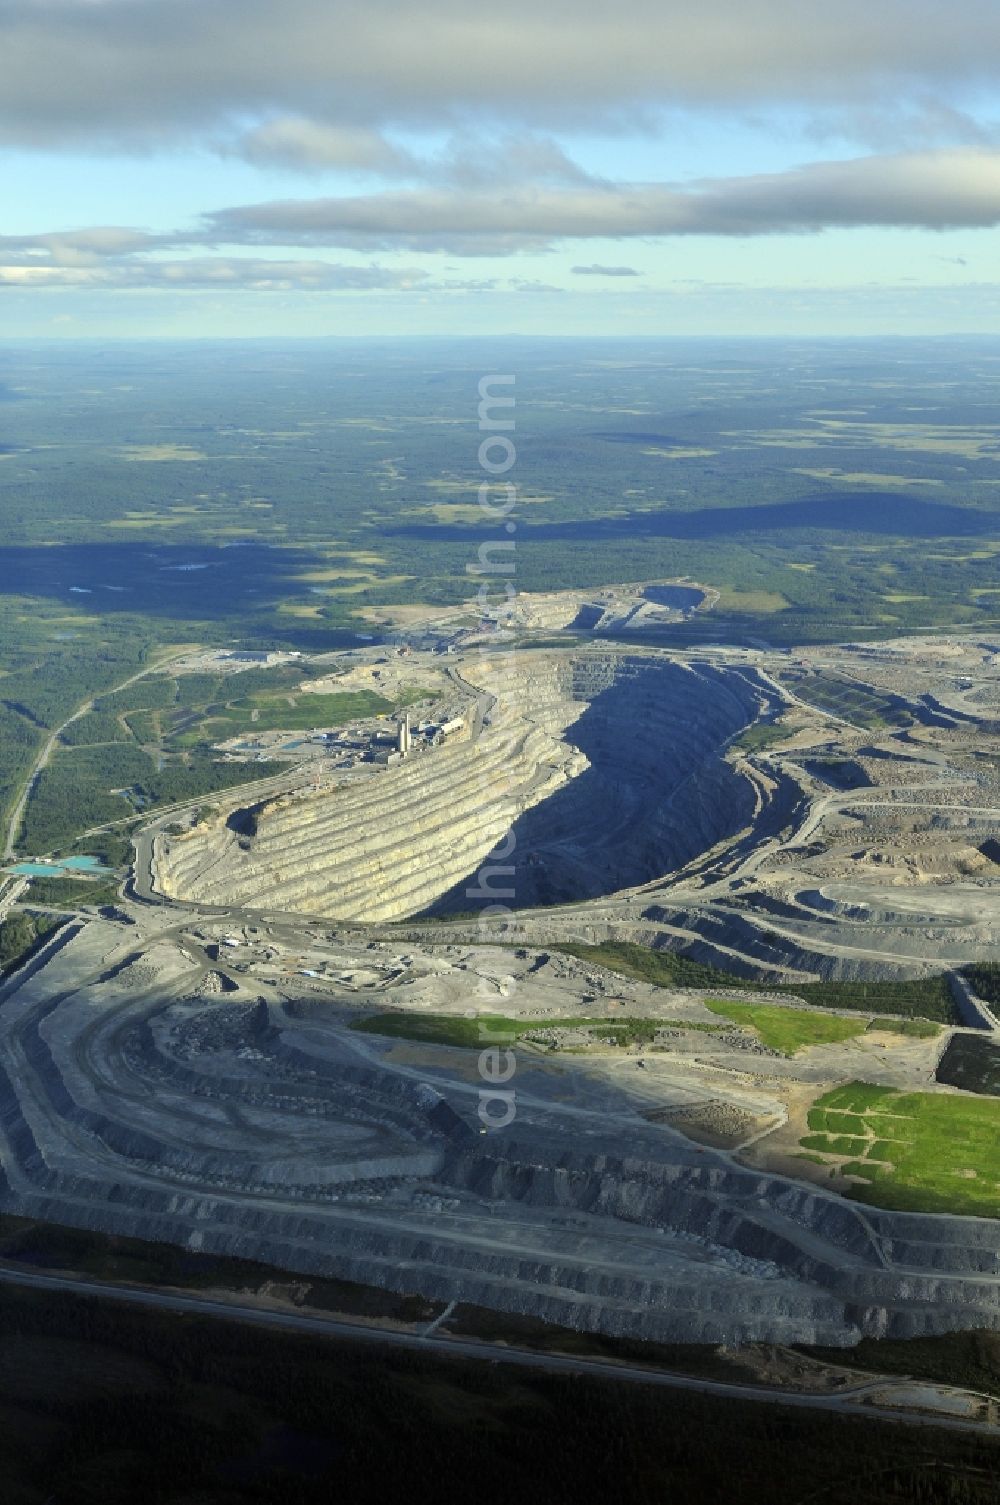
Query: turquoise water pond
65, 867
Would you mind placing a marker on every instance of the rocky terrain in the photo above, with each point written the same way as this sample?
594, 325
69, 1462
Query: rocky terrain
575, 766
151, 1090
204, 1065
623, 786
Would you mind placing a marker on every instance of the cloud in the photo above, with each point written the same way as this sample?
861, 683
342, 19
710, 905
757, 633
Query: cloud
138, 73
467, 161
312, 146
220, 273
75, 247
912, 125
599, 271
932, 190
477, 162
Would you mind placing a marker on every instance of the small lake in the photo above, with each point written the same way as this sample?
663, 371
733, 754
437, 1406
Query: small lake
65, 867
679, 597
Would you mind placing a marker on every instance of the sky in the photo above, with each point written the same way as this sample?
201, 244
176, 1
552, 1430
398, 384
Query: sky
204, 168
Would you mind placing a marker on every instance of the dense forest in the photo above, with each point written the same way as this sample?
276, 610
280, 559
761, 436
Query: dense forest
102, 1404
20, 933
917, 998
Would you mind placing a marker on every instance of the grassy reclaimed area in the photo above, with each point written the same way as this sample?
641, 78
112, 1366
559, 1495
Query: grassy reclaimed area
761, 736
916, 1029
788, 1030
783, 1029
915, 1151
254, 714
850, 700
485, 1029
924, 997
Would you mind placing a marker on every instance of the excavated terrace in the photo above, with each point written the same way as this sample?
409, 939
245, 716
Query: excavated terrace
138, 1100
590, 774
153, 1083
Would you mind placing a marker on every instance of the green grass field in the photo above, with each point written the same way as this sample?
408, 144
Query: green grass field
782, 1028
788, 1030
761, 736
917, 1152
916, 1029
835, 1123
484, 1029
834, 1144
284, 712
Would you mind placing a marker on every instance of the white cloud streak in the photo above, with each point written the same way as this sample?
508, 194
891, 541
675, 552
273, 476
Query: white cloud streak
930, 191
219, 273
933, 190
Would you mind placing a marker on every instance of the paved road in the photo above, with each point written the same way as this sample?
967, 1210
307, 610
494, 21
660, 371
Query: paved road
41, 762
848, 1403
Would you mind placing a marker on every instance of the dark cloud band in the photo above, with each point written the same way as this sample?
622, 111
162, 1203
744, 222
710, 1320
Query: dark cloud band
138, 72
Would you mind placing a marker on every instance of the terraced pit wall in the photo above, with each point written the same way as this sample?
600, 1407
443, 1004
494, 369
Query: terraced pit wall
267, 1130
607, 771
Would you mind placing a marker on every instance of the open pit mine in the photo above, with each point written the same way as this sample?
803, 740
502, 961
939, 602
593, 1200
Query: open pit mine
272, 1047
575, 762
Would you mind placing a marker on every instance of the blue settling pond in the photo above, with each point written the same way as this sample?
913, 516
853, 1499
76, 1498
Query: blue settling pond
66, 867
